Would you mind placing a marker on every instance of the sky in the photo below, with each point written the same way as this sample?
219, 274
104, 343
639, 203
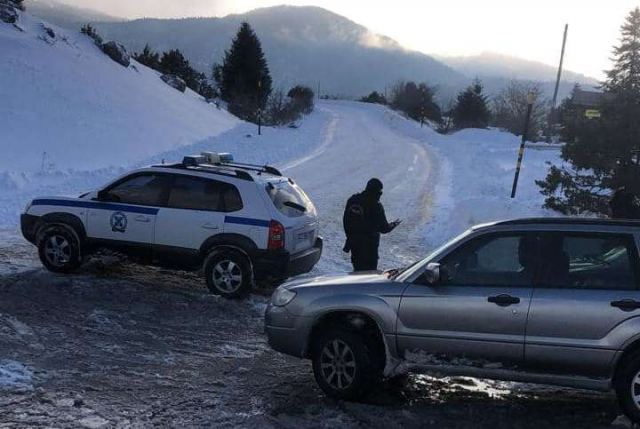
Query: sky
527, 29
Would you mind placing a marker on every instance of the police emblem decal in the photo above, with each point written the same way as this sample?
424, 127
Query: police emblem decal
118, 222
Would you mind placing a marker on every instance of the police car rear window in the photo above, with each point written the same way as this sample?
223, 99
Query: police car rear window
193, 193
289, 199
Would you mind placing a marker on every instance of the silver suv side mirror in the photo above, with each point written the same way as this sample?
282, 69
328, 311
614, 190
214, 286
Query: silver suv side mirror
432, 273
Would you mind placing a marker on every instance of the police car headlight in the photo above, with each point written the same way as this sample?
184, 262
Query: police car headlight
282, 297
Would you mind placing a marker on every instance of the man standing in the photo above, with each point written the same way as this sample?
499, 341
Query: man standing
364, 220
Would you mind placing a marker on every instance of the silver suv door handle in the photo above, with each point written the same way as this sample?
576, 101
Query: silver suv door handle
141, 218
210, 225
626, 304
504, 300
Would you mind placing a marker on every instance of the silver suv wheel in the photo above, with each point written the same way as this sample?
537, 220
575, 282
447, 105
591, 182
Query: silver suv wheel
338, 364
635, 390
227, 276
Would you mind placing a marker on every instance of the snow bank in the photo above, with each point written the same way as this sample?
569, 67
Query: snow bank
477, 176
474, 170
64, 97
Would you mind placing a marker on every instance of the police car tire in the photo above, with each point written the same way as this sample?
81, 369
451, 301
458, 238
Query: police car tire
71, 249
219, 258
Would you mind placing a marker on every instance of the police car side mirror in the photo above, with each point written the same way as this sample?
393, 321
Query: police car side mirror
103, 195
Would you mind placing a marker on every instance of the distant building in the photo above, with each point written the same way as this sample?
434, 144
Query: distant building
588, 102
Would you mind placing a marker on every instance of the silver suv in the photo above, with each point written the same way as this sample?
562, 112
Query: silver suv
551, 301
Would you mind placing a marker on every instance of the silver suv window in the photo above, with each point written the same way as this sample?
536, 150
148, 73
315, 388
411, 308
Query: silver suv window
588, 261
289, 199
492, 260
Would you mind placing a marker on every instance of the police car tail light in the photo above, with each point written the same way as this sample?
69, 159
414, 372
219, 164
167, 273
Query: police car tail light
276, 235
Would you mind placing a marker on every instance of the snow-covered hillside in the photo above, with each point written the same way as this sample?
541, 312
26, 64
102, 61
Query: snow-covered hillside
62, 96
95, 119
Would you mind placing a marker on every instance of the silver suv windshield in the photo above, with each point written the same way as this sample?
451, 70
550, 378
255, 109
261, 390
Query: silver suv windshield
290, 199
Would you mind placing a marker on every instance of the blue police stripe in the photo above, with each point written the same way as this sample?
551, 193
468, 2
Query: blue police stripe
246, 221
96, 205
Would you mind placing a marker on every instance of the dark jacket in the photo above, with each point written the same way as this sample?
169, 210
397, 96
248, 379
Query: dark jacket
364, 220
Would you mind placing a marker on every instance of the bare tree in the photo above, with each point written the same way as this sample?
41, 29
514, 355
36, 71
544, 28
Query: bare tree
510, 108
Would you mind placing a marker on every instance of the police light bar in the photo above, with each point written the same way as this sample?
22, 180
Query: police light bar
217, 158
193, 160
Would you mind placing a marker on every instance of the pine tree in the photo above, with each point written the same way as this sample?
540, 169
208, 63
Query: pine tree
148, 57
416, 100
471, 110
173, 62
375, 97
245, 81
604, 153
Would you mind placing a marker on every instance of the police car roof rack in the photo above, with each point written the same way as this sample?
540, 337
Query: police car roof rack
196, 162
254, 167
226, 159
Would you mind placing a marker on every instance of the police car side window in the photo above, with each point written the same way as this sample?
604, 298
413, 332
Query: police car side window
231, 199
194, 193
141, 189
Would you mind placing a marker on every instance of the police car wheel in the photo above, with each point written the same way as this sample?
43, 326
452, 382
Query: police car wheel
59, 249
228, 273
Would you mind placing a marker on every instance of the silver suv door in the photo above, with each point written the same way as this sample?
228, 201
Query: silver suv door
479, 308
587, 288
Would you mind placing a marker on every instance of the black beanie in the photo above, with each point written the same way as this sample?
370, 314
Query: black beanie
374, 185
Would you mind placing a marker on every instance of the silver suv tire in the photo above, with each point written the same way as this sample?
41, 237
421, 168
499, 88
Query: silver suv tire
345, 364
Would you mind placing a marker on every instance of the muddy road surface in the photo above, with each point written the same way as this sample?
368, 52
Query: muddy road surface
118, 345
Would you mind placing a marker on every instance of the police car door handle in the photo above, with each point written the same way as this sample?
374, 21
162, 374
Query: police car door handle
141, 218
210, 225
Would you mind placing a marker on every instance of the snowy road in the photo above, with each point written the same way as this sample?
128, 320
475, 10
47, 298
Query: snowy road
118, 345
357, 145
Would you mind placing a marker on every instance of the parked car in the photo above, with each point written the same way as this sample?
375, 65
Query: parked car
551, 301
238, 222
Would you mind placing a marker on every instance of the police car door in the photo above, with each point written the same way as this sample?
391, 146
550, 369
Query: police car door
195, 211
125, 215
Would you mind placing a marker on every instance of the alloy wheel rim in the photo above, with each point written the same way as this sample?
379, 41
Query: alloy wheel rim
57, 250
227, 276
338, 364
635, 390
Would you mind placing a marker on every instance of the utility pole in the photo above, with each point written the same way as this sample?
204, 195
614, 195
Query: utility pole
531, 99
552, 115
259, 109
318, 93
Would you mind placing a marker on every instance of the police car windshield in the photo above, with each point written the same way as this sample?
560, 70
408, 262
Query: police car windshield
289, 199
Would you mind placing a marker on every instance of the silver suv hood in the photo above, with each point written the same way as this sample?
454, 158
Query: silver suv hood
344, 279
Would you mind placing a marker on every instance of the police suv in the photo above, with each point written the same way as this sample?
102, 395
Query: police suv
239, 222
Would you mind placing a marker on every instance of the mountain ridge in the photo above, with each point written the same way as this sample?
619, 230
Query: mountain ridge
313, 46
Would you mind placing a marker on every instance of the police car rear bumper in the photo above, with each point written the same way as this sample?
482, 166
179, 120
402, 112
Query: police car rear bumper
282, 264
29, 226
